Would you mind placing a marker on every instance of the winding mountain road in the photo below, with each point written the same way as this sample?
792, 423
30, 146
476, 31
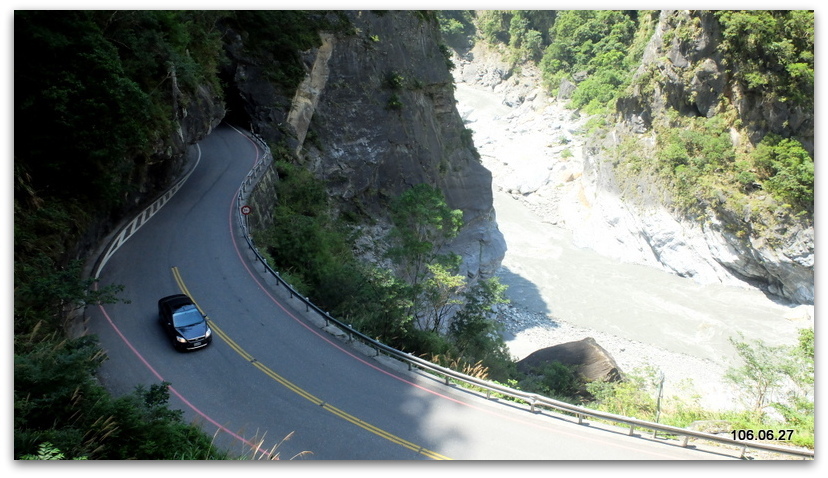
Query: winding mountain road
270, 373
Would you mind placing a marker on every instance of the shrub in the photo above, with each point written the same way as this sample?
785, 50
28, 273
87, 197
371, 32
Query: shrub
631, 397
554, 380
787, 169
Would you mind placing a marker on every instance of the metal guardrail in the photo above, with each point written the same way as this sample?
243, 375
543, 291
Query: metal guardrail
534, 401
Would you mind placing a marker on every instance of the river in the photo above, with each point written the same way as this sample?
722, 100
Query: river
641, 314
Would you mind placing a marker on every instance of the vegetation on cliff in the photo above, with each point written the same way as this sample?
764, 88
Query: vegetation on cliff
728, 160
777, 385
736, 161
97, 107
97, 102
96, 111
93, 101
724, 103
405, 301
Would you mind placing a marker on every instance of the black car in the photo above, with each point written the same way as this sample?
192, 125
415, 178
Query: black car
184, 323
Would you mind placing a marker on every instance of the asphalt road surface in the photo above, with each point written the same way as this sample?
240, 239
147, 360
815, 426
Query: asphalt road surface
270, 373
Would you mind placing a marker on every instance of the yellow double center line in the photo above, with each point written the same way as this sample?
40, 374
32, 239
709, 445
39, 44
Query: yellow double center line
301, 392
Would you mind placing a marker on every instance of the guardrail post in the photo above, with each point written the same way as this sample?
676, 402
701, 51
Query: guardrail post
534, 400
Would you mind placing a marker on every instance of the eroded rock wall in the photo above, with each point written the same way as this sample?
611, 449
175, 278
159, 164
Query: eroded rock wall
693, 80
630, 221
385, 120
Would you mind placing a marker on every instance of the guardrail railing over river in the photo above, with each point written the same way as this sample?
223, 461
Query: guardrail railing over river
534, 401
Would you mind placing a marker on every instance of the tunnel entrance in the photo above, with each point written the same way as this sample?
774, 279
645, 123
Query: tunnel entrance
236, 112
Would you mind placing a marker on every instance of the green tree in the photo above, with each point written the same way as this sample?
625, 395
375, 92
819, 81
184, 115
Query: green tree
441, 291
553, 380
422, 224
385, 314
762, 373
83, 118
787, 170
771, 51
304, 239
457, 27
46, 291
493, 25
476, 334
596, 42
631, 397
798, 410
276, 38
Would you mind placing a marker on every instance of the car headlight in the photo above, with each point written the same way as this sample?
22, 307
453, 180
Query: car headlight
181, 339
209, 332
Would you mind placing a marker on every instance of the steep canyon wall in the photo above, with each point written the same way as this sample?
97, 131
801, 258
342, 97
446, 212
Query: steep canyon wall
375, 116
630, 218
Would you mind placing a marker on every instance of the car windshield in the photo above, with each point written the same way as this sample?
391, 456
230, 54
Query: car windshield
186, 316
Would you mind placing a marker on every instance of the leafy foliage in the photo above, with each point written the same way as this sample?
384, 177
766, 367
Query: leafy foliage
767, 370
45, 291
632, 397
598, 47
766, 373
457, 27
493, 26
95, 102
554, 380
786, 170
694, 155
75, 101
304, 240
476, 335
772, 51
441, 293
703, 169
763, 371
275, 38
424, 307
423, 224
47, 451
57, 400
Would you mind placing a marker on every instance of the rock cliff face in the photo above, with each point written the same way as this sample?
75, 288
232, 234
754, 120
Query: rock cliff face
195, 115
693, 81
583, 194
375, 116
705, 251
